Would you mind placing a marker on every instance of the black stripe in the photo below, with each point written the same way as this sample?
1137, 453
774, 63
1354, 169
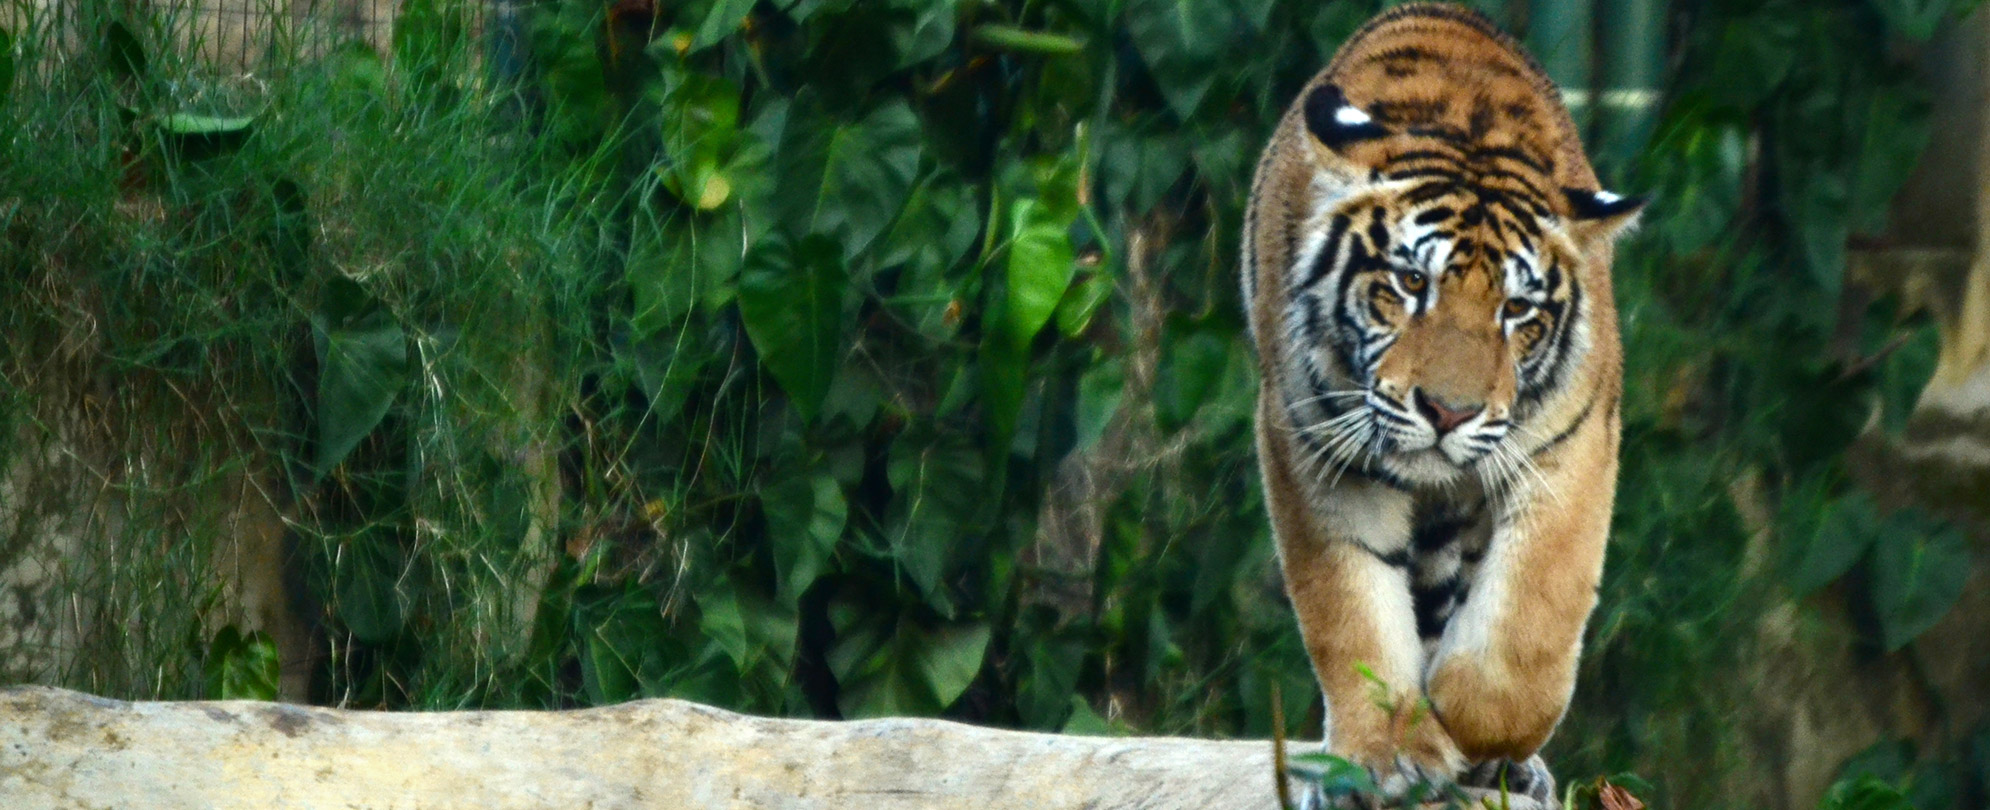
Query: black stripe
1510, 153
1454, 156
1324, 262
1580, 418
1438, 214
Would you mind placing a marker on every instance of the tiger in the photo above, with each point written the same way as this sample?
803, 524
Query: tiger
1426, 267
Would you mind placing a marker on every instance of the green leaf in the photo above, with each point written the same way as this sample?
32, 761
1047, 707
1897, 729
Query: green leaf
673, 268
1012, 38
938, 485
849, 180
192, 124
1004, 378
1084, 721
1914, 19
241, 667
791, 300
949, 657
622, 643
1081, 302
365, 586
937, 229
805, 516
1191, 367
723, 19
1335, 776
666, 367
702, 138
1183, 45
1829, 534
931, 32
753, 631
1040, 267
1905, 374
362, 365
915, 671
1921, 566
1864, 793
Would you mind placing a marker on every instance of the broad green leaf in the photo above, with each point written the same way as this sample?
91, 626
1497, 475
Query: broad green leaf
621, 635
1335, 776
916, 671
927, 243
1085, 722
666, 367
1920, 567
1137, 169
723, 19
949, 657
241, 667
929, 35
1183, 45
1011, 38
1081, 302
1905, 374
938, 485
366, 591
850, 180
1864, 793
1829, 534
674, 268
1914, 19
702, 139
1004, 377
805, 516
791, 300
192, 124
1040, 267
754, 632
941, 218
1192, 366
362, 365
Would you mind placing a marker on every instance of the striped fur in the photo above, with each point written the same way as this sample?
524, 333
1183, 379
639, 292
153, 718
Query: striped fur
1426, 264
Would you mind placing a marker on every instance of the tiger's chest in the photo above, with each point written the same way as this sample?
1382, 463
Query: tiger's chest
1449, 538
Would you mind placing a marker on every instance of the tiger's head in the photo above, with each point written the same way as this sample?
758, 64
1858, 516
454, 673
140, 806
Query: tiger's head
1439, 299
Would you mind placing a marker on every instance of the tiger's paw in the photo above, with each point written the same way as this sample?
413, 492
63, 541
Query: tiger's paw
1393, 780
1530, 780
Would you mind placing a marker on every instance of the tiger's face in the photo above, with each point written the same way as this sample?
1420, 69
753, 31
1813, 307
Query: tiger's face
1429, 328
1436, 300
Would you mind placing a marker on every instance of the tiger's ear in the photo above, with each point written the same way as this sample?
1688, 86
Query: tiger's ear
1335, 121
1601, 214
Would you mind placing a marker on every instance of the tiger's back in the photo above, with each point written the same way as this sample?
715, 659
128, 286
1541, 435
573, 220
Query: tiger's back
1427, 270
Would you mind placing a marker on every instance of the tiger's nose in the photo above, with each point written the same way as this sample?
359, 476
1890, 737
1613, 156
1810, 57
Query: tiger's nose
1441, 416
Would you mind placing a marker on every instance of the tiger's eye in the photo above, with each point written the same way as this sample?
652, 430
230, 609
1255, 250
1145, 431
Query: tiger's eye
1516, 307
1414, 281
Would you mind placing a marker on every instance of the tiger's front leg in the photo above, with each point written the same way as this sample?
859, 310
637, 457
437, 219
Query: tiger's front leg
1346, 571
1504, 670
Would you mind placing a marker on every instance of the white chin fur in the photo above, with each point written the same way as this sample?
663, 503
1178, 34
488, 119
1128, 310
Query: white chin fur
1425, 466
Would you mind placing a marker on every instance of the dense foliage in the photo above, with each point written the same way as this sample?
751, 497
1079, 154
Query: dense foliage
843, 359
